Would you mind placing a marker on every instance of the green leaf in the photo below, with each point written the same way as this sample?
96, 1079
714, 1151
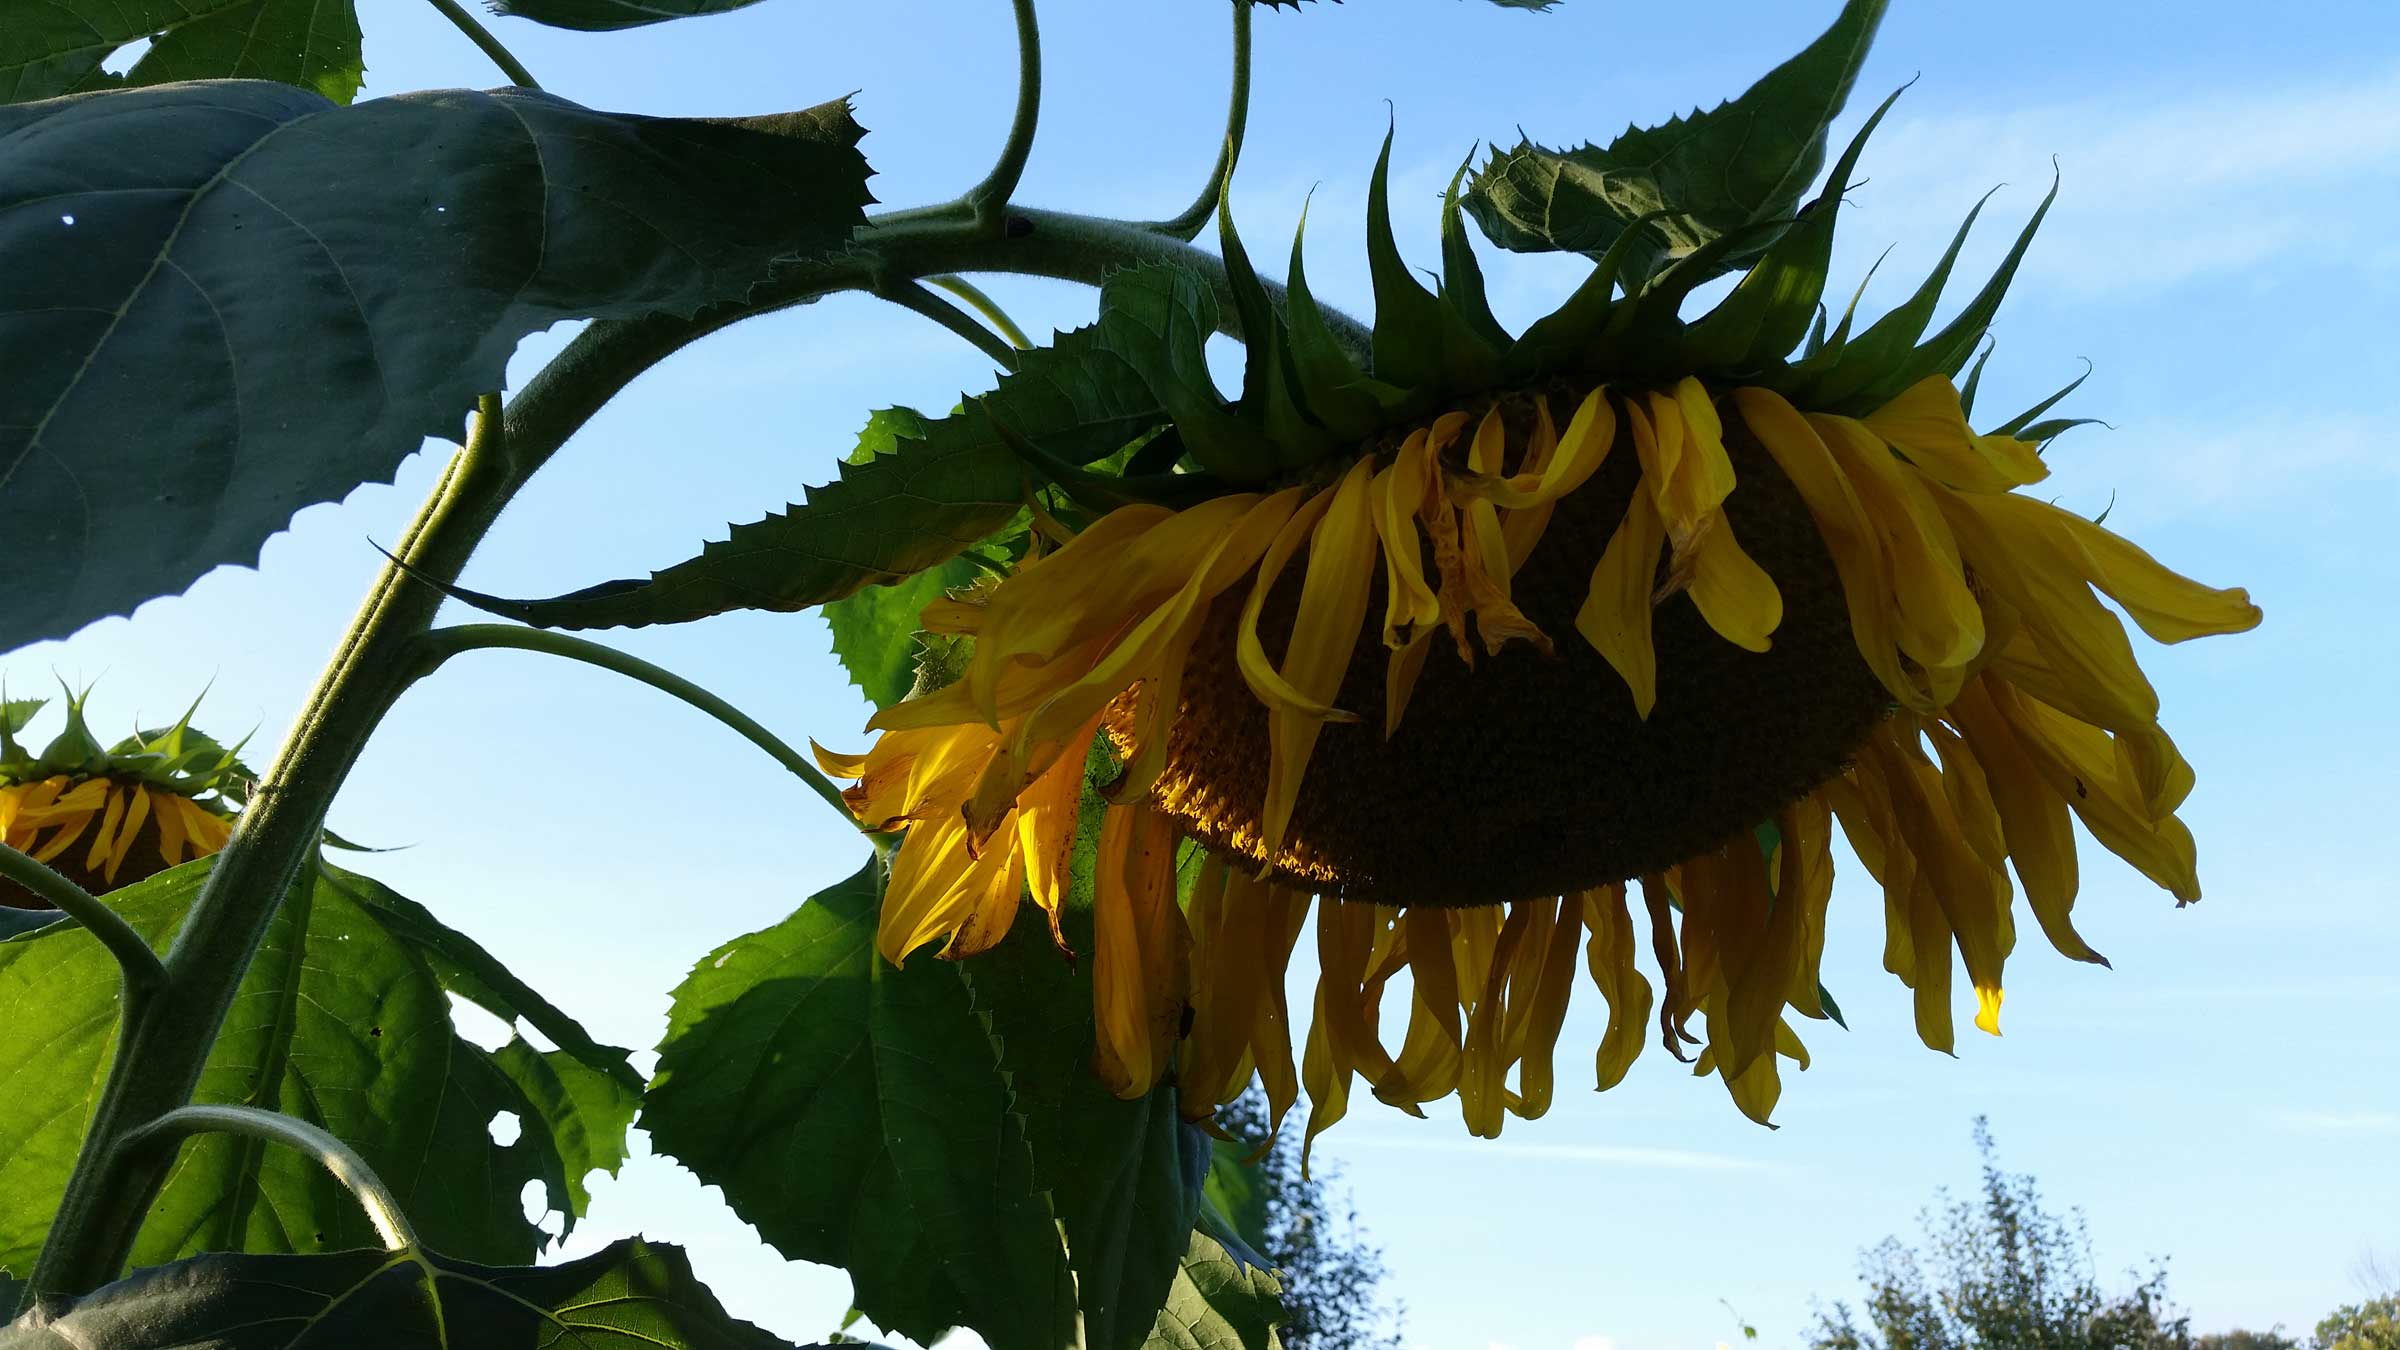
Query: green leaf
596, 16
1745, 163
1233, 1189
338, 1022
856, 1115
1157, 318
1218, 1303
889, 518
875, 629
164, 246
631, 1295
1121, 1174
53, 47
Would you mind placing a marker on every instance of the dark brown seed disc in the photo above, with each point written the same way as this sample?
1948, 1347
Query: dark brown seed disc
142, 861
1530, 775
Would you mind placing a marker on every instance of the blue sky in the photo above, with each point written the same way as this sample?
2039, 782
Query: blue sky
2228, 1096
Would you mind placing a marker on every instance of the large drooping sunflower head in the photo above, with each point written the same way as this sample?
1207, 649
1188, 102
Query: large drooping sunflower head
1480, 641
106, 817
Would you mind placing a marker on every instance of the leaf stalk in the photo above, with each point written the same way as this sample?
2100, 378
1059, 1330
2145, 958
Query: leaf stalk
1187, 224
434, 648
144, 973
376, 1198
491, 46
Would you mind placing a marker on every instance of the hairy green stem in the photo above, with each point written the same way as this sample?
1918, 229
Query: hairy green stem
1187, 224
482, 37
143, 970
909, 295
990, 196
160, 1054
984, 305
382, 1207
438, 646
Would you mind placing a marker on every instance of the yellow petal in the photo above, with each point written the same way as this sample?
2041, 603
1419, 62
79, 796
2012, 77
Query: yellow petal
1734, 593
1333, 607
104, 840
1258, 671
2033, 820
1566, 466
1843, 523
1615, 617
2169, 607
1936, 618
1400, 673
1140, 944
137, 812
1610, 954
1411, 607
1927, 424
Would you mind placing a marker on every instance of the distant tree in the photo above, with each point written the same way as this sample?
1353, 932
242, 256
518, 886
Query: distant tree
2249, 1340
1331, 1275
1999, 1272
2371, 1325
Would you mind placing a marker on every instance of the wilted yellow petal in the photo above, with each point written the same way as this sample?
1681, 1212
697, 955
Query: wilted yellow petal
1615, 617
1333, 606
1927, 424
1140, 944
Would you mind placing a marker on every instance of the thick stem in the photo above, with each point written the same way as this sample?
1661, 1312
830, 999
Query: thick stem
440, 645
382, 1207
479, 35
1187, 224
160, 1054
142, 968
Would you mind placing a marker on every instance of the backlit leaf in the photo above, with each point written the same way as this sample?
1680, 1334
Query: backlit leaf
1744, 163
165, 247
54, 47
857, 1115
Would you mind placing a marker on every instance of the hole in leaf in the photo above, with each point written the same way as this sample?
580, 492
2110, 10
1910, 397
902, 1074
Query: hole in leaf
506, 1128
123, 58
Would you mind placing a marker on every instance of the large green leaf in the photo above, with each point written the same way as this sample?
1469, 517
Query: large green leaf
875, 629
339, 1022
1218, 1303
1125, 1176
53, 47
856, 1115
1741, 165
893, 516
230, 300
593, 16
631, 1295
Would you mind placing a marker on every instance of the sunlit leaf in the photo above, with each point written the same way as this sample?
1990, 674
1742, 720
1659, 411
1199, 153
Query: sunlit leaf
894, 516
230, 300
1744, 163
339, 1022
631, 1295
857, 1115
1217, 1303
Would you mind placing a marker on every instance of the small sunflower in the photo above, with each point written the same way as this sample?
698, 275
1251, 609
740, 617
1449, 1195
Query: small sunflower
105, 818
1479, 649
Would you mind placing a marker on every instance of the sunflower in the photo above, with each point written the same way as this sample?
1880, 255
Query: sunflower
1477, 649
105, 818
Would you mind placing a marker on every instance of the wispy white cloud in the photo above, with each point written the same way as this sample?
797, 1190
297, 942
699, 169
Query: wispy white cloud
1609, 1155
2161, 185
2340, 1122
1595, 1343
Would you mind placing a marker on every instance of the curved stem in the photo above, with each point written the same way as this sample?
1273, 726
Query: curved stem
143, 970
376, 1198
984, 305
909, 295
438, 646
1187, 224
479, 35
990, 197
